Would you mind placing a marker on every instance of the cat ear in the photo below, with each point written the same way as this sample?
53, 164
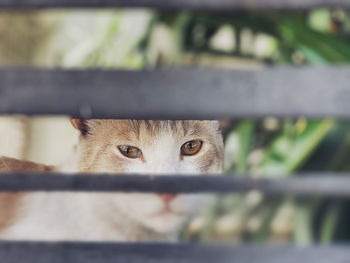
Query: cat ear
224, 125
81, 125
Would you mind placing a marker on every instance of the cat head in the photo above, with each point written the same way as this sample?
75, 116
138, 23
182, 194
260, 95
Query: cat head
153, 147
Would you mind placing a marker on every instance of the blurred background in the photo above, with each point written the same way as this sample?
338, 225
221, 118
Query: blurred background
139, 39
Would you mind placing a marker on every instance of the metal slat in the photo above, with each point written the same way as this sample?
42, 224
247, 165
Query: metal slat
326, 184
68, 252
213, 5
178, 94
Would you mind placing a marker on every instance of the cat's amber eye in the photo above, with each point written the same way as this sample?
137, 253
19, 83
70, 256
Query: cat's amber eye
130, 151
191, 147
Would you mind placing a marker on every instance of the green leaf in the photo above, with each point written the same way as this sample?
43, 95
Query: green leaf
330, 222
245, 140
286, 153
331, 47
312, 56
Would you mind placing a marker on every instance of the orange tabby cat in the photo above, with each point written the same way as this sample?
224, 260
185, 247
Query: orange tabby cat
121, 146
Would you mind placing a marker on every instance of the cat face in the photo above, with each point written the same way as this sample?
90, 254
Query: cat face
153, 147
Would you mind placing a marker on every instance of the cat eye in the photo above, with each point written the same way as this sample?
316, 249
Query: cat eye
130, 151
191, 147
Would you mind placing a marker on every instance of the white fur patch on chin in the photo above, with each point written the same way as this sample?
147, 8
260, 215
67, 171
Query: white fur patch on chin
184, 207
148, 210
165, 223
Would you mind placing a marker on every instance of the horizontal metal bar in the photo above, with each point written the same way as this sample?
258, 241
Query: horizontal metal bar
69, 252
178, 94
215, 5
326, 184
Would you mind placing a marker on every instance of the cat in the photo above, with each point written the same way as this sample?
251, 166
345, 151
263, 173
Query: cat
121, 146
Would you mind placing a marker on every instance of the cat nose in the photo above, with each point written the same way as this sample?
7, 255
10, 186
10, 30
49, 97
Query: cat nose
167, 198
